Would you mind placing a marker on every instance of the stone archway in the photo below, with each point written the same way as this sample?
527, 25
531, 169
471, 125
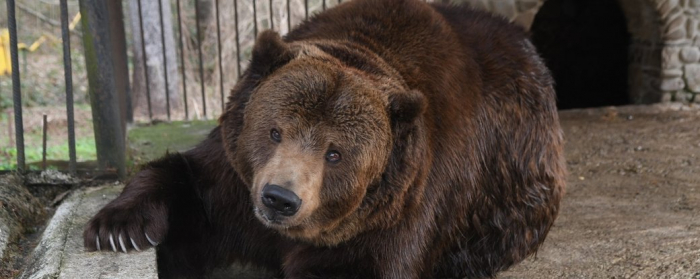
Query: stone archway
664, 47
665, 50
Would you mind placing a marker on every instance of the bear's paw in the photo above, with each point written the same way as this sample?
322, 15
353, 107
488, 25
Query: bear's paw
121, 227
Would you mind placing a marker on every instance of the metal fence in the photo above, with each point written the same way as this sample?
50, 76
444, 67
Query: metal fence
16, 85
107, 93
105, 48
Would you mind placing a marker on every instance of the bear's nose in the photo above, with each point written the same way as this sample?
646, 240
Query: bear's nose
283, 201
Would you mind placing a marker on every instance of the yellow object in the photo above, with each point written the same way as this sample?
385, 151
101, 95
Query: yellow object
6, 63
75, 21
37, 43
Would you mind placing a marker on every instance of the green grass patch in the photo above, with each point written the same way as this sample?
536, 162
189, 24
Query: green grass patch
84, 149
150, 142
145, 143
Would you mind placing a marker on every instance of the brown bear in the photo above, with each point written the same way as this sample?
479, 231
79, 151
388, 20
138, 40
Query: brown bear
379, 139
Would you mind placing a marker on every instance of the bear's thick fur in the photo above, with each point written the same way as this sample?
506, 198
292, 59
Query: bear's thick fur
379, 139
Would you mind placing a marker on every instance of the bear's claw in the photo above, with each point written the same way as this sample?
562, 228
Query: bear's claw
121, 243
111, 243
97, 241
153, 243
133, 243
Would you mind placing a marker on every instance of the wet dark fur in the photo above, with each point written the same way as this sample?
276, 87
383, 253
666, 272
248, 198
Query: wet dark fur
473, 180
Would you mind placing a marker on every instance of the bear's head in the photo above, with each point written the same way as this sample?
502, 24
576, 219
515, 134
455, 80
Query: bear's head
328, 138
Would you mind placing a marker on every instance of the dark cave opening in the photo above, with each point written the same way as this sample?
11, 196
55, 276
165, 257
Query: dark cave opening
585, 44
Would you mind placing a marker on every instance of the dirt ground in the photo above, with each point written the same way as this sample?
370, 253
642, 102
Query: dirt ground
632, 207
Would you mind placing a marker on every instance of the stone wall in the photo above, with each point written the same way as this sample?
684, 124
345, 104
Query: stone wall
681, 50
664, 55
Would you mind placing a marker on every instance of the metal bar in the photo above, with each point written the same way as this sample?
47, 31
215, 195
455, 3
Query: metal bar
306, 9
255, 18
68, 75
43, 141
324, 5
289, 17
238, 41
16, 91
272, 17
218, 41
199, 50
182, 61
145, 65
104, 99
165, 58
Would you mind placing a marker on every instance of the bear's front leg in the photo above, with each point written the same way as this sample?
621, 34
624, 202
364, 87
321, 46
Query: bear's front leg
138, 218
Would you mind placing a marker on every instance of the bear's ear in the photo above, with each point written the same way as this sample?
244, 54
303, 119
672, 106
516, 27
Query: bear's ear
404, 107
269, 53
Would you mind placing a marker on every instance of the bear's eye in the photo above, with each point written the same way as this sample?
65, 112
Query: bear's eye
275, 135
333, 156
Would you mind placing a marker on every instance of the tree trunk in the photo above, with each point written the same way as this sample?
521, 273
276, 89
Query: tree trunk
154, 59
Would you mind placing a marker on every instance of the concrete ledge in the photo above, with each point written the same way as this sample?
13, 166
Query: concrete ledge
60, 253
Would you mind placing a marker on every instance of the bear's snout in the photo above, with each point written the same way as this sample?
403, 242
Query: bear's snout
290, 176
281, 200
